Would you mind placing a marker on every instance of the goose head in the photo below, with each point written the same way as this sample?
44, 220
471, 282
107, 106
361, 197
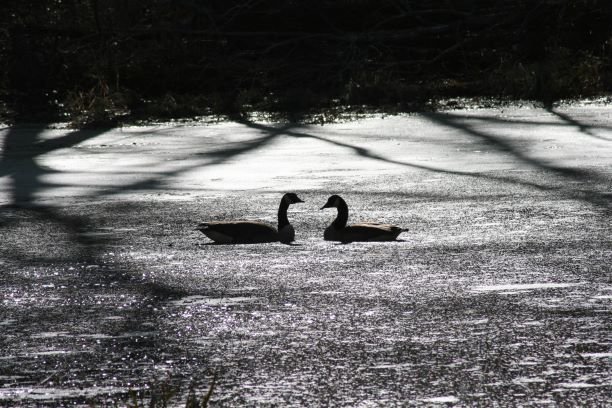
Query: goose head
291, 198
333, 201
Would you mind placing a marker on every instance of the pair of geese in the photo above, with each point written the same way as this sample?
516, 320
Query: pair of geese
249, 232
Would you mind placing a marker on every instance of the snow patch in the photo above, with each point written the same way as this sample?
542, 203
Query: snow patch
206, 300
596, 355
49, 394
524, 287
577, 385
525, 380
442, 400
391, 366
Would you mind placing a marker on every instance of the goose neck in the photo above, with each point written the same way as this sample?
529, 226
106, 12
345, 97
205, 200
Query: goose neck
342, 217
282, 215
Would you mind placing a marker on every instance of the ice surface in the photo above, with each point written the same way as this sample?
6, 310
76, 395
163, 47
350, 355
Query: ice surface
498, 295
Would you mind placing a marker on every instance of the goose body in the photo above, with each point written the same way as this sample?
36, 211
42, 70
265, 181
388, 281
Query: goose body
251, 232
370, 231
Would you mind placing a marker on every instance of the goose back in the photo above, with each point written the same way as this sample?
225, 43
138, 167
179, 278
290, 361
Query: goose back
362, 232
239, 232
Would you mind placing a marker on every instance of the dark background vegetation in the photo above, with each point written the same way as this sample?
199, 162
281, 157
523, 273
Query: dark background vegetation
99, 61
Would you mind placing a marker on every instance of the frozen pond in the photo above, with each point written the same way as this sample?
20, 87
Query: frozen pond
499, 294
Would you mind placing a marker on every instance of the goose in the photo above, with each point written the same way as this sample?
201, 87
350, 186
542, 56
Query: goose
251, 232
371, 231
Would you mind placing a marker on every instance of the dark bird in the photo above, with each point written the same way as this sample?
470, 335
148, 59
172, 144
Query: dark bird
370, 231
251, 232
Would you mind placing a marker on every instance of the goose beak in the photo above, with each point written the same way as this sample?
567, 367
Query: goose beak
299, 200
324, 207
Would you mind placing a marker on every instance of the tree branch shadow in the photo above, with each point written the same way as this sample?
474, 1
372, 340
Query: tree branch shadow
566, 121
18, 162
502, 145
570, 175
27, 176
591, 196
26, 225
583, 128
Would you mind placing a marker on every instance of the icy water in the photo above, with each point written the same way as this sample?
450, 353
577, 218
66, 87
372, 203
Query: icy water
499, 294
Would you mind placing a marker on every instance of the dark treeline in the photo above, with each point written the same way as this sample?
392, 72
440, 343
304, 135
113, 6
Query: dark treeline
95, 60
